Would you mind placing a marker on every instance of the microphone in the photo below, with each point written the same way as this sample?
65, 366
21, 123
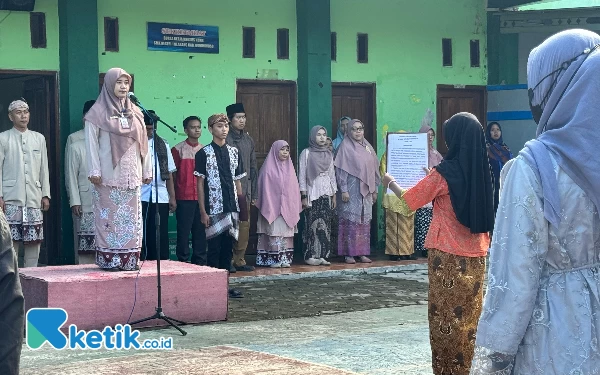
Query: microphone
133, 98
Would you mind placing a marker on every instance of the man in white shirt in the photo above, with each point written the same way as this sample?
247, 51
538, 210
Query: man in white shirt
165, 192
79, 191
24, 183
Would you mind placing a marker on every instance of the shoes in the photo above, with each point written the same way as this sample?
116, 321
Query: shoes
234, 293
285, 265
244, 268
313, 262
364, 259
232, 269
276, 265
350, 260
394, 257
412, 257
324, 262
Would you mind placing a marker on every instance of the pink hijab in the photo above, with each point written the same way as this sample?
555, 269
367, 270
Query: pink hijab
278, 190
105, 114
359, 160
435, 158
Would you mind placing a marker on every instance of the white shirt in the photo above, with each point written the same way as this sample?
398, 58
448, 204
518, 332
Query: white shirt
163, 194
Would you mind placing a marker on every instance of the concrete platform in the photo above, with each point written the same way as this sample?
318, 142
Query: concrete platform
94, 298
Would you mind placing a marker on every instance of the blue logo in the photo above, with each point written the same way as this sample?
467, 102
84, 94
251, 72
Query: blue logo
44, 324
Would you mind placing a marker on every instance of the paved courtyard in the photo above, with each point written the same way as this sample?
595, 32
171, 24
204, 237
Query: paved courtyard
341, 324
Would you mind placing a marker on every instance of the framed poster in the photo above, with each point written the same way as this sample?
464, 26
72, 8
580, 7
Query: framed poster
407, 156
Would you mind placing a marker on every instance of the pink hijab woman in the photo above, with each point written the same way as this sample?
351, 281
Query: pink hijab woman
279, 205
118, 164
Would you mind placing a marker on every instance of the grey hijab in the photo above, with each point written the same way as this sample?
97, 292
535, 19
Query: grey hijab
570, 114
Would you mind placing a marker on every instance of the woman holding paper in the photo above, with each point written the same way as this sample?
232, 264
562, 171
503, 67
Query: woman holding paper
461, 189
424, 214
356, 169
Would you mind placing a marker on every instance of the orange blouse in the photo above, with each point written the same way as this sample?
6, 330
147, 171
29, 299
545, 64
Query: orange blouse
446, 233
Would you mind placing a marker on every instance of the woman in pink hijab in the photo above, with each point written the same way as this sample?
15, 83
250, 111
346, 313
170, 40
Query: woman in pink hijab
357, 172
279, 206
118, 163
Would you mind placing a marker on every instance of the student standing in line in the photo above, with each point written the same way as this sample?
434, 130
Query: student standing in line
218, 171
79, 191
186, 193
357, 173
241, 139
164, 190
317, 188
279, 208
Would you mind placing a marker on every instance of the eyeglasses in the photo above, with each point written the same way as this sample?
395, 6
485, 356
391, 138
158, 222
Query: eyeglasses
361, 129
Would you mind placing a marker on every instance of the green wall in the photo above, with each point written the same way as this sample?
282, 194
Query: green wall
15, 39
405, 56
177, 86
405, 53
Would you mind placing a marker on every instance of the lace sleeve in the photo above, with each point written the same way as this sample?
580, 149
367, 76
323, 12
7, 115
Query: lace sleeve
488, 362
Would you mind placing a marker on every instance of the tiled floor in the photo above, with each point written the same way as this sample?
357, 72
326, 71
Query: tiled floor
336, 264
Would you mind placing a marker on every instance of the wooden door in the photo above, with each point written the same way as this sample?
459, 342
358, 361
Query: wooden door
357, 101
39, 92
271, 115
452, 100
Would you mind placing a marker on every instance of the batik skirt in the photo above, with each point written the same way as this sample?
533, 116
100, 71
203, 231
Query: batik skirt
275, 242
455, 300
317, 236
119, 230
399, 233
422, 221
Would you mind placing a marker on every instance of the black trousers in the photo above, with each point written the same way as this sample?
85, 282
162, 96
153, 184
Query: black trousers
149, 242
220, 251
188, 219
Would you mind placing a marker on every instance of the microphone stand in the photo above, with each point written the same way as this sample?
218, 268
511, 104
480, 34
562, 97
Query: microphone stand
159, 314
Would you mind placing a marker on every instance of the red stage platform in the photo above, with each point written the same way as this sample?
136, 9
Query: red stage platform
94, 298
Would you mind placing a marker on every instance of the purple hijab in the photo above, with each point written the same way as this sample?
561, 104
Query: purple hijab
359, 160
569, 116
278, 190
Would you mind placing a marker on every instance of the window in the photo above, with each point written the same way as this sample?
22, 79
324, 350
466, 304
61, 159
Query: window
333, 46
111, 34
37, 25
475, 55
283, 44
249, 40
447, 52
362, 48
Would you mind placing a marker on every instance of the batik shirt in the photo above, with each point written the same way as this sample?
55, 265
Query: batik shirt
220, 167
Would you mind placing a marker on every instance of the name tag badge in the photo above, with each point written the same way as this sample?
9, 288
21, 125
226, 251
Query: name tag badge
124, 122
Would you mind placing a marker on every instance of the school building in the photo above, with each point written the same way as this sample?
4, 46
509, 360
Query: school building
293, 63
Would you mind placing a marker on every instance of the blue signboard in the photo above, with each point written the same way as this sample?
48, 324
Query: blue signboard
183, 38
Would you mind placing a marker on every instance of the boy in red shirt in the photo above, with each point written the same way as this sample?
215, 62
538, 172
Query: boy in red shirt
188, 212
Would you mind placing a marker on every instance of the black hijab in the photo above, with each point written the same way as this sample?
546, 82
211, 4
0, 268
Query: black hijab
466, 168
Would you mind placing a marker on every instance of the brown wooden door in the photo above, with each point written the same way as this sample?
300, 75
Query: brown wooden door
39, 93
357, 101
451, 100
271, 115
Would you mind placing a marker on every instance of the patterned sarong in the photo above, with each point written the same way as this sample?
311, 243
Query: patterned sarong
26, 224
221, 222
